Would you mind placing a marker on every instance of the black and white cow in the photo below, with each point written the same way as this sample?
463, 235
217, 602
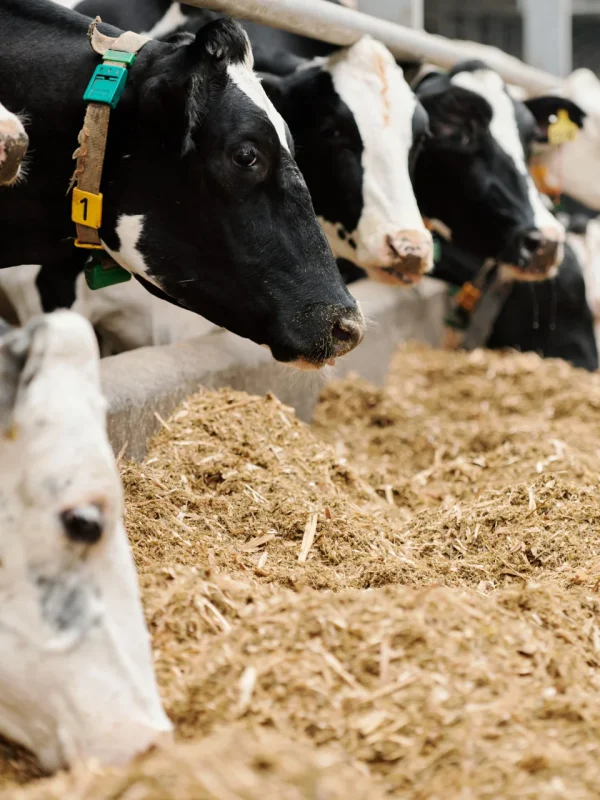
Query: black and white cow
473, 175
203, 201
550, 317
355, 122
13, 146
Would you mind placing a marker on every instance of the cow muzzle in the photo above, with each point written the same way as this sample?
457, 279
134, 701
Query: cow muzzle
539, 255
406, 256
14, 144
343, 330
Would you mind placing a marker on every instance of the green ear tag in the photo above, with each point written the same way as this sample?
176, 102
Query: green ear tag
437, 250
100, 273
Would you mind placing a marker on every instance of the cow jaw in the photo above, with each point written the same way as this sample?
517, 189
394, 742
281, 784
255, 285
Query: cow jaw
390, 233
76, 674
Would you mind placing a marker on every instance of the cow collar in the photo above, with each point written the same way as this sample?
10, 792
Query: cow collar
102, 94
475, 308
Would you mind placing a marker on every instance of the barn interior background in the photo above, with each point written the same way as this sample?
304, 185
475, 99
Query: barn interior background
555, 35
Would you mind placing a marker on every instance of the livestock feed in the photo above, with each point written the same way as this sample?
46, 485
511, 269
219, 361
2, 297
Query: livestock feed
401, 600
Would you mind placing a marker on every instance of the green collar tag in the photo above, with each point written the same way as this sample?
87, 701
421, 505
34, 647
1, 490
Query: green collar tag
101, 272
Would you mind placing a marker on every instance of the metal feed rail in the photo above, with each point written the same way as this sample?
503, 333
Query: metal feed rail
343, 26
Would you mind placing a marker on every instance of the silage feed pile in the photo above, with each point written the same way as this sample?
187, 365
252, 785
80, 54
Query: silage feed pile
400, 601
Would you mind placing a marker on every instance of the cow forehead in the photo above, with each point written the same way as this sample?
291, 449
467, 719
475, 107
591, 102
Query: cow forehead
504, 128
242, 76
372, 85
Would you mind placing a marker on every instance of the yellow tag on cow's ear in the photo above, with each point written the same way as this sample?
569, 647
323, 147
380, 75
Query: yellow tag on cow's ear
563, 130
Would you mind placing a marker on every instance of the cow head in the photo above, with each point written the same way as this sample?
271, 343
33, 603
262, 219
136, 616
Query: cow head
76, 675
574, 167
473, 174
205, 204
355, 120
13, 146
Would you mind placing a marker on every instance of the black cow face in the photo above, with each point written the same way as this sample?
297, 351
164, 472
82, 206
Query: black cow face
210, 209
473, 174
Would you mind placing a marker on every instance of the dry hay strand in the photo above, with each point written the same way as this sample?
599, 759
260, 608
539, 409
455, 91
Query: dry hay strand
440, 693
233, 764
239, 485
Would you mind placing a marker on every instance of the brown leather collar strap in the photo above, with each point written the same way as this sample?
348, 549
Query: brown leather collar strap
92, 137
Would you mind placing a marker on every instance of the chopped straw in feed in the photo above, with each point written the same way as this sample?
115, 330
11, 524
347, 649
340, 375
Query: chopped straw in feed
401, 600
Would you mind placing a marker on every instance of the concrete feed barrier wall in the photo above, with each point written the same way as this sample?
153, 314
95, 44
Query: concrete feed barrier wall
144, 386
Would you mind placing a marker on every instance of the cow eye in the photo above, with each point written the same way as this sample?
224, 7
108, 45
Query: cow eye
246, 156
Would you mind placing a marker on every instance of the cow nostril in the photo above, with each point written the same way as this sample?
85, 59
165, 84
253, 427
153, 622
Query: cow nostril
341, 334
346, 334
532, 241
83, 524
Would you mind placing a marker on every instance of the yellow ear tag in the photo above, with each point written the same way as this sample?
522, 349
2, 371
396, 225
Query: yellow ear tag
563, 130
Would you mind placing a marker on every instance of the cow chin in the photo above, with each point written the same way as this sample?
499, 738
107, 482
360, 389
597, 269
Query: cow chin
510, 272
402, 258
393, 276
305, 365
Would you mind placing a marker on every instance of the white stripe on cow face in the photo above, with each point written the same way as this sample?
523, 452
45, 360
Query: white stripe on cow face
505, 130
244, 77
372, 85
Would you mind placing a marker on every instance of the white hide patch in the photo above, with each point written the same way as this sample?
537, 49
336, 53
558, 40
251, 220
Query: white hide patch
505, 131
244, 77
129, 230
372, 85
172, 19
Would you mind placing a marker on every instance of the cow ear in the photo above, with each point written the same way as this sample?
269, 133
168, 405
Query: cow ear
545, 111
222, 41
171, 90
458, 118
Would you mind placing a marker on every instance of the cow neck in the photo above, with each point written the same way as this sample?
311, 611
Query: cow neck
102, 95
475, 308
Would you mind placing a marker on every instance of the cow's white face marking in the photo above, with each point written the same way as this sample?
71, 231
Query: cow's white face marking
129, 230
372, 85
505, 131
244, 77
72, 607
172, 19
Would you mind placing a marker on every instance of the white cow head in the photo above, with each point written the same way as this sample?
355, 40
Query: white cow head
574, 168
76, 675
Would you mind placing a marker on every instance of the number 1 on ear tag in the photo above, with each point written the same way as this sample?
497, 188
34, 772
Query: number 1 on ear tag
563, 130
